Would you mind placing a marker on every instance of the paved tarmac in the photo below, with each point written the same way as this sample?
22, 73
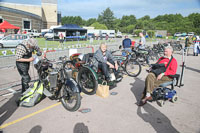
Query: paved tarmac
115, 114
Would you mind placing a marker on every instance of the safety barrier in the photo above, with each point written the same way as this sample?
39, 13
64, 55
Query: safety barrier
9, 61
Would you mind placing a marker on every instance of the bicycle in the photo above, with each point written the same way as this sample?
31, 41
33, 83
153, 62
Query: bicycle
127, 63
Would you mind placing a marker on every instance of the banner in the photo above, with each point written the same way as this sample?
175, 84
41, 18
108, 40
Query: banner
4, 52
13, 51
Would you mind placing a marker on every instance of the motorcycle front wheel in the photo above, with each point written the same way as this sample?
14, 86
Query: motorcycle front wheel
70, 100
87, 81
133, 68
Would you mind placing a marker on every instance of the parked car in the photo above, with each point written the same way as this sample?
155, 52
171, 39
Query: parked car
191, 34
43, 33
49, 35
119, 35
183, 34
177, 34
12, 40
33, 33
159, 36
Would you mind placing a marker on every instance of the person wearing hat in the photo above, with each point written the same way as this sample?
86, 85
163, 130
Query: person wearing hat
23, 59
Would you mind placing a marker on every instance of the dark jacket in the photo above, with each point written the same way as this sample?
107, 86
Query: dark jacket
126, 43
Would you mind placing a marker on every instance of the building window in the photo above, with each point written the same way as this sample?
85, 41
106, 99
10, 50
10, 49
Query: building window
27, 24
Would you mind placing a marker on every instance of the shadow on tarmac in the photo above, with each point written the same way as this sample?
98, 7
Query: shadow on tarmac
150, 114
8, 108
80, 128
192, 69
36, 129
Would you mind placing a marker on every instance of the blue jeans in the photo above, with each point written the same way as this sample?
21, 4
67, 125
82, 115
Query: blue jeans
128, 50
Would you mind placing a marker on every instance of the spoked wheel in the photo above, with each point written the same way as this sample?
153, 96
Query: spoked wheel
133, 68
87, 81
70, 100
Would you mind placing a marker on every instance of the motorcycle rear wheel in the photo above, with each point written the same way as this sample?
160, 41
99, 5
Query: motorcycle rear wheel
87, 81
70, 100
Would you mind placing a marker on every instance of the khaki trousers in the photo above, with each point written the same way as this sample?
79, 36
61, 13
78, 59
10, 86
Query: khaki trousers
151, 82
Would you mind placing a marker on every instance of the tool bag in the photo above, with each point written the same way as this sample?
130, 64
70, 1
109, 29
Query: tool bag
32, 95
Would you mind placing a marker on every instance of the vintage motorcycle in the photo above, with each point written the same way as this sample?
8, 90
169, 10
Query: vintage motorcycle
58, 84
89, 76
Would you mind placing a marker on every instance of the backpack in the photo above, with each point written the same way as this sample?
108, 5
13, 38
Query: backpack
32, 95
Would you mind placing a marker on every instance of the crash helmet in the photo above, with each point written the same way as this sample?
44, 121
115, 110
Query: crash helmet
80, 57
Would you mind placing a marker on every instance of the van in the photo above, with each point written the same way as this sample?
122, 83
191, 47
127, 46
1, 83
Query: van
112, 35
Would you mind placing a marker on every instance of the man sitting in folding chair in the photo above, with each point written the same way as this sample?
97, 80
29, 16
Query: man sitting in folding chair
153, 79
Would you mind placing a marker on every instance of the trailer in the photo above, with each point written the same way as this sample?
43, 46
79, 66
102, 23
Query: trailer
101, 33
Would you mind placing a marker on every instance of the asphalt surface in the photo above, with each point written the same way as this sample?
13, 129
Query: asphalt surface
115, 114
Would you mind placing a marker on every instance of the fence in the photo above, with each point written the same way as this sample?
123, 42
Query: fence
9, 61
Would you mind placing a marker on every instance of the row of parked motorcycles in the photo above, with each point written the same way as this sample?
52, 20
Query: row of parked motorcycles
66, 78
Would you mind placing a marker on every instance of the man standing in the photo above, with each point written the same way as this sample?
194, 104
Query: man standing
142, 41
142, 45
152, 81
61, 37
126, 43
188, 43
23, 59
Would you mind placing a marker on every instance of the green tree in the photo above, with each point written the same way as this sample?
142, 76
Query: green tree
195, 19
137, 32
117, 24
90, 21
130, 28
128, 20
146, 17
107, 18
139, 25
72, 20
97, 25
151, 33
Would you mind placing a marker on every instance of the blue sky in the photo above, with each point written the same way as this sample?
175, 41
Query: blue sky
92, 8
